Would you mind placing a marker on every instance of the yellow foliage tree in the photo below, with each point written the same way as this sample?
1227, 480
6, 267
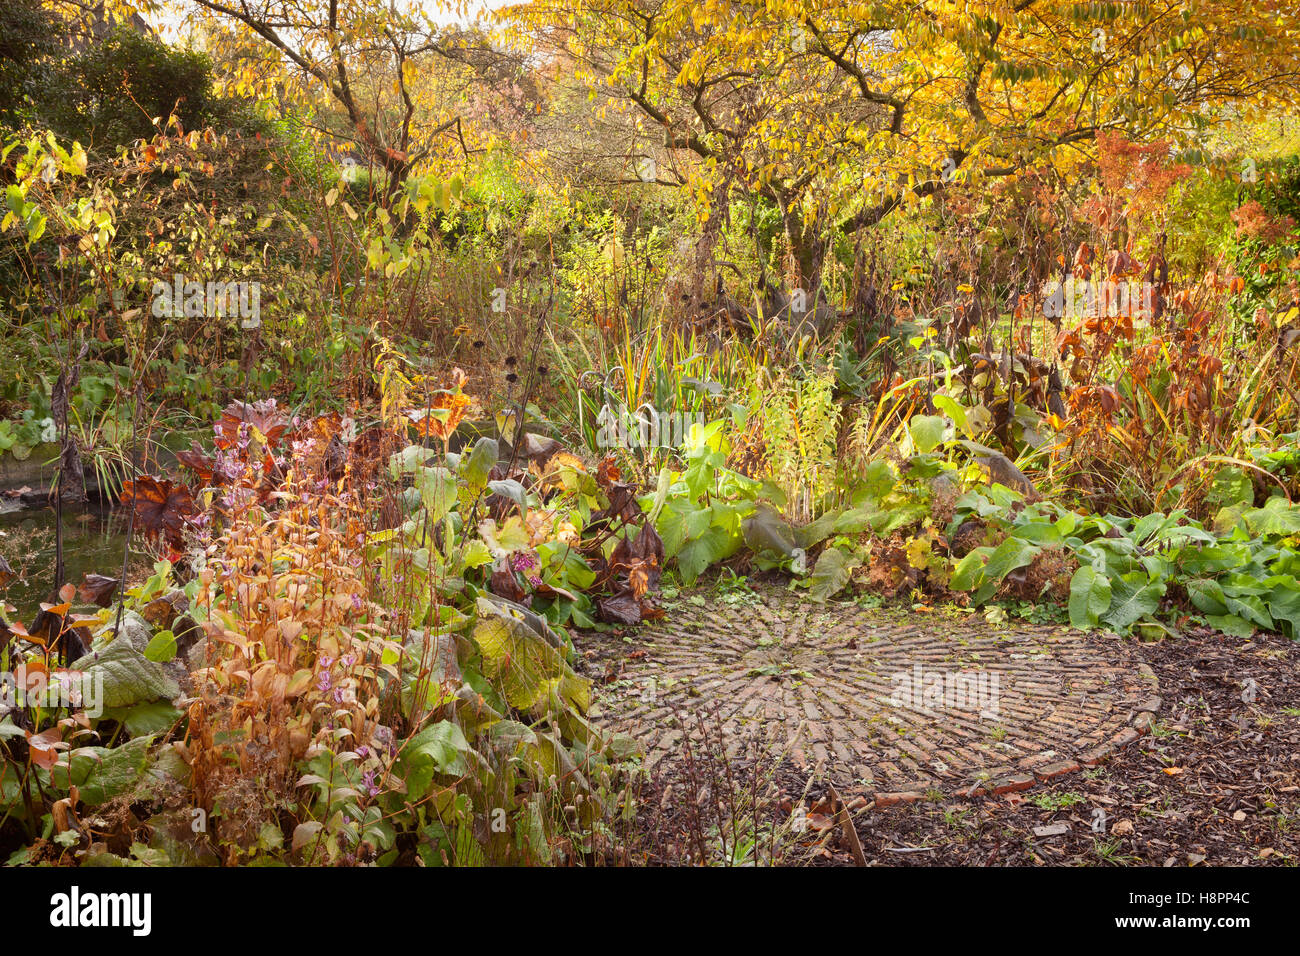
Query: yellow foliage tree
842, 112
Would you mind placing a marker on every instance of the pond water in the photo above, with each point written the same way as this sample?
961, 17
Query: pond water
92, 543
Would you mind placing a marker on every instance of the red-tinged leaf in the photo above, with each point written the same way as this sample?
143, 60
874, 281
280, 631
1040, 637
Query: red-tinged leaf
252, 419
550, 591
198, 461
67, 593
650, 612
607, 472
643, 555
44, 747
161, 506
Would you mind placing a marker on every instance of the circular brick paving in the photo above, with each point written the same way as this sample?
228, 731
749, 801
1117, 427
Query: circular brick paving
898, 703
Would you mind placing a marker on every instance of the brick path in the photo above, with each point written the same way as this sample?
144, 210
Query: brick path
895, 702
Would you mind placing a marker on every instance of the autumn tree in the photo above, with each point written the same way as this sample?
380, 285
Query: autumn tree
387, 79
844, 112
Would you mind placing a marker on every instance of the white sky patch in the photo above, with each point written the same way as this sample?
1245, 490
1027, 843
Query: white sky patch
169, 22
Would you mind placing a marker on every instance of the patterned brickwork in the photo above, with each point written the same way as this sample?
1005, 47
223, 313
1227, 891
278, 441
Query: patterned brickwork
897, 703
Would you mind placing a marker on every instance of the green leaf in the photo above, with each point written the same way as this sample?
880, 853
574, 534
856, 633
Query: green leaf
709, 548
1011, 554
1133, 597
878, 479
1089, 597
161, 647
511, 489
968, 571
407, 461
101, 773
128, 676
893, 516
766, 530
443, 743
832, 574
1207, 596
1231, 486
1284, 606
1231, 625
927, 432
152, 718
437, 490
530, 673
1277, 517
954, 410
480, 463
476, 554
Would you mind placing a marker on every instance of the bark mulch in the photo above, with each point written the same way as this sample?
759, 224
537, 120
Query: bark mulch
1216, 782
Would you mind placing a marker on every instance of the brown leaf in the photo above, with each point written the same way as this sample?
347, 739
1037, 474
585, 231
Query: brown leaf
504, 584
98, 589
638, 580
622, 502
198, 461
621, 608
161, 506
607, 472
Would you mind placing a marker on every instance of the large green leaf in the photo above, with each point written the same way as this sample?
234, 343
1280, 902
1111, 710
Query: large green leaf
476, 468
1206, 595
831, 575
437, 490
1231, 625
967, 572
1284, 606
766, 530
1133, 597
1089, 597
154, 717
1277, 517
708, 549
1010, 555
530, 673
877, 480
438, 748
101, 773
128, 676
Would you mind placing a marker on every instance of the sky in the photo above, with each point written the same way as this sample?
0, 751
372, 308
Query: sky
168, 24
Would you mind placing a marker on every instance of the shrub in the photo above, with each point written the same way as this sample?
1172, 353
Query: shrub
110, 95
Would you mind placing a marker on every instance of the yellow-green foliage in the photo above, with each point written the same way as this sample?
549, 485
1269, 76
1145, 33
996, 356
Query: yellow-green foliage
800, 421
